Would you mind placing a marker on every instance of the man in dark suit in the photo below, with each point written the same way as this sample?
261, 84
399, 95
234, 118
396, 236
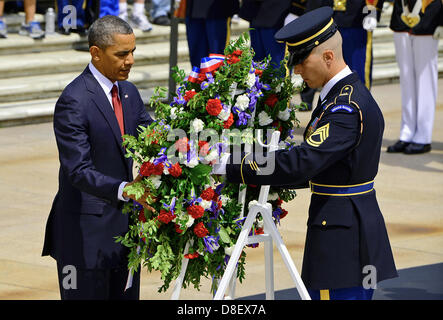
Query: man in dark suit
347, 249
91, 115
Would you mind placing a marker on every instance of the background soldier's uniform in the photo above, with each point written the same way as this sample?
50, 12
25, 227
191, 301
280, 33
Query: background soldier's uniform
417, 57
339, 158
357, 42
208, 24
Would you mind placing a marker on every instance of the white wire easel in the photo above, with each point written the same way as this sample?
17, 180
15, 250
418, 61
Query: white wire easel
271, 235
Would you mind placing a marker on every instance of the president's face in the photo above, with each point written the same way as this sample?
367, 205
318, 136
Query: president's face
116, 61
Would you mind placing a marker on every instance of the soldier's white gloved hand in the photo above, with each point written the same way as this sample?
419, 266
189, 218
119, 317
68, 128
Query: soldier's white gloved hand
438, 33
289, 18
369, 23
220, 167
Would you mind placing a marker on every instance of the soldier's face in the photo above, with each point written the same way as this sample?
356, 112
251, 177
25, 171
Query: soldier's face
313, 70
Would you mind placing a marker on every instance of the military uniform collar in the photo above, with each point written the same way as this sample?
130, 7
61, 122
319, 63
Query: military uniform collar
331, 83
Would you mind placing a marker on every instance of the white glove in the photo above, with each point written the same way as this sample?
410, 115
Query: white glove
220, 167
438, 33
289, 18
369, 23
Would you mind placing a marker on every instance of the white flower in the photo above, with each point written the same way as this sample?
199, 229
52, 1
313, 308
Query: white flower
278, 87
259, 224
264, 119
284, 115
173, 113
206, 204
296, 80
156, 180
224, 114
242, 102
165, 170
273, 196
212, 155
192, 163
252, 203
197, 125
229, 250
250, 81
190, 221
224, 199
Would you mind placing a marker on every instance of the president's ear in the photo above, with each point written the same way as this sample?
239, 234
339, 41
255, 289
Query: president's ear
95, 53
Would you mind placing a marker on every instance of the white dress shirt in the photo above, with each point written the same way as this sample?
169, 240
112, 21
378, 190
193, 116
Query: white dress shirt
328, 86
107, 85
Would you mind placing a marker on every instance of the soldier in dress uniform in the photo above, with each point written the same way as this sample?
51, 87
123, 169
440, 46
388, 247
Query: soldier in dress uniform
208, 24
339, 159
417, 26
356, 19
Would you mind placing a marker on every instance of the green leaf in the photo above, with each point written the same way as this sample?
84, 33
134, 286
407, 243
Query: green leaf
200, 173
224, 236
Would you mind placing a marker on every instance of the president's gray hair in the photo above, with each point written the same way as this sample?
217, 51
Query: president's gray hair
101, 33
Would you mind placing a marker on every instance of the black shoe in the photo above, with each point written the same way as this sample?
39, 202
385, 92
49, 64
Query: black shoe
304, 106
162, 20
416, 148
399, 146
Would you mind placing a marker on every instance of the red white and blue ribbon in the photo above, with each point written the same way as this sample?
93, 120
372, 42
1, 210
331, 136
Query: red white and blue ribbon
211, 63
193, 76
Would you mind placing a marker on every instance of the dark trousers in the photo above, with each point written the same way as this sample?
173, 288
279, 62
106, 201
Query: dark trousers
96, 284
206, 36
357, 52
264, 44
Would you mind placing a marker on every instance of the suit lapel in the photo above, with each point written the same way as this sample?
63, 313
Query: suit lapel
102, 103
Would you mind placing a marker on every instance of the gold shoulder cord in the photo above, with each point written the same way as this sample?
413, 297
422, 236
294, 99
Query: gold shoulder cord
241, 167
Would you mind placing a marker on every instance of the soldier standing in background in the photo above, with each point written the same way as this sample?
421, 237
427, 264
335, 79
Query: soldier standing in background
417, 26
356, 20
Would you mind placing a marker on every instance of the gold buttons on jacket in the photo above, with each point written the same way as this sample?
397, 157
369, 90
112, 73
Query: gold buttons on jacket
323, 223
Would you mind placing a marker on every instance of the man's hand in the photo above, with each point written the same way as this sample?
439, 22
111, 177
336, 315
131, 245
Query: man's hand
438, 33
143, 199
369, 23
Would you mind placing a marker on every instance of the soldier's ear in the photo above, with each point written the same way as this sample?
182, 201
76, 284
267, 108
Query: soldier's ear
328, 57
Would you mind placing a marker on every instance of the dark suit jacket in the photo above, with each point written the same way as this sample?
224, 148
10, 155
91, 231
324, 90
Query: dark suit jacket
86, 213
265, 14
211, 9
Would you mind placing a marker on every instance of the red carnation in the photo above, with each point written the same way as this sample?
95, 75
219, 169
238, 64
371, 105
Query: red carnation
214, 107
204, 147
232, 59
200, 230
165, 216
279, 201
237, 52
228, 123
259, 231
175, 170
192, 255
182, 145
271, 100
158, 169
189, 94
141, 216
207, 194
201, 77
195, 211
259, 72
147, 169
177, 228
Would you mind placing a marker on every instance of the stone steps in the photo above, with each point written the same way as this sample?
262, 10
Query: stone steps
34, 72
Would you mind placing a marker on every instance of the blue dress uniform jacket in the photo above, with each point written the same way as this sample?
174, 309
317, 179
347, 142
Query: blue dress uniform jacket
341, 148
430, 18
86, 214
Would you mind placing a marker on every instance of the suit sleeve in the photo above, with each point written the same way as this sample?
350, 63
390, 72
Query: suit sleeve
71, 132
336, 135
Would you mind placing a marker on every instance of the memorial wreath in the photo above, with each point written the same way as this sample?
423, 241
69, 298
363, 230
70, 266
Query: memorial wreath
177, 199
